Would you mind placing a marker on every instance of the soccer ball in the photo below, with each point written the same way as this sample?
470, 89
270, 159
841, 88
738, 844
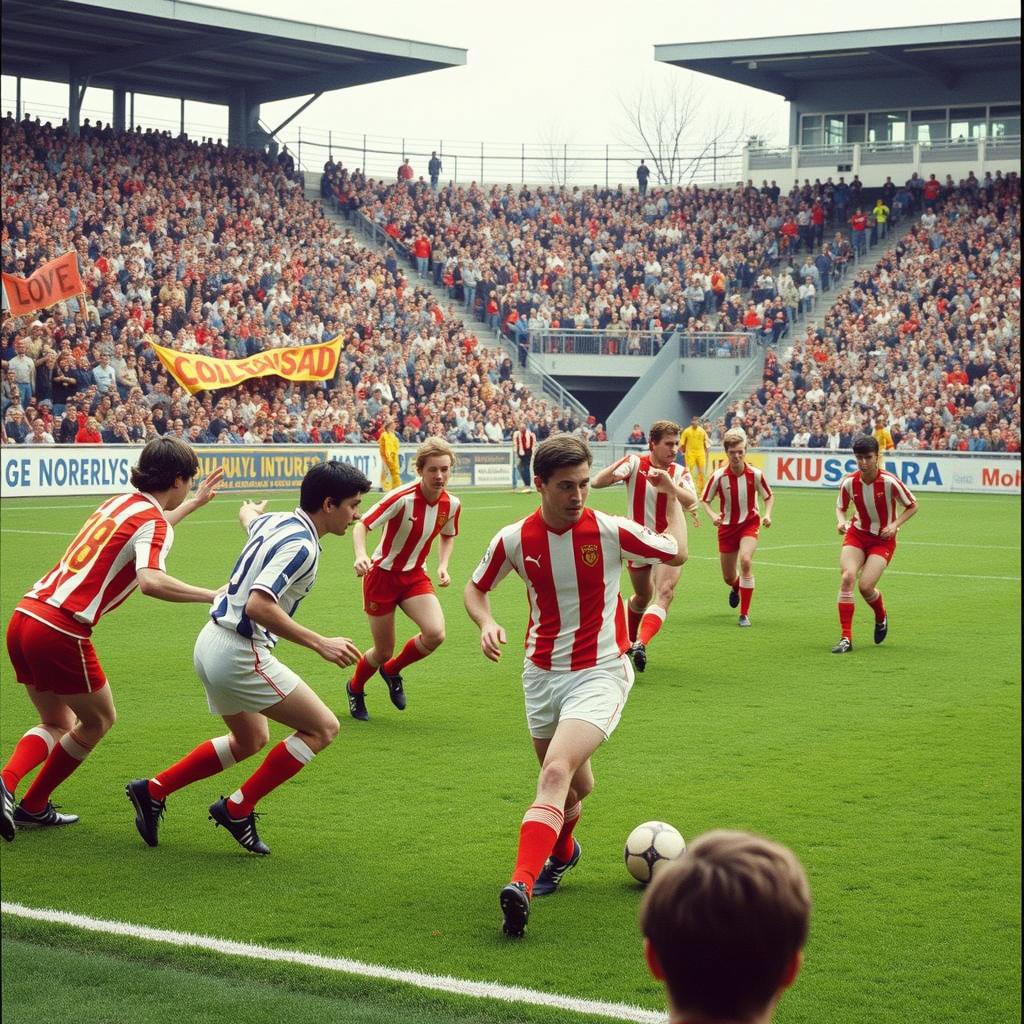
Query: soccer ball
651, 845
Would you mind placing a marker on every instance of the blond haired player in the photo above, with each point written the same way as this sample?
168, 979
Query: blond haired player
576, 677
390, 473
737, 485
648, 506
696, 445
412, 517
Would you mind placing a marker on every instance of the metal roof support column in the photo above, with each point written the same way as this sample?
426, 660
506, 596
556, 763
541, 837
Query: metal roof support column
243, 121
76, 92
17, 98
119, 98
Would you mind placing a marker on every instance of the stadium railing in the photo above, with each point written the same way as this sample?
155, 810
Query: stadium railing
591, 342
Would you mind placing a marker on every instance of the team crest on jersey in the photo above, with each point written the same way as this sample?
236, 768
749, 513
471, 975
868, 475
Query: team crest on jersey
442, 518
588, 552
373, 606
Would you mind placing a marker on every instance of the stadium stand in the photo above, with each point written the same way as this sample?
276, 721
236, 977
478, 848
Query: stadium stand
215, 250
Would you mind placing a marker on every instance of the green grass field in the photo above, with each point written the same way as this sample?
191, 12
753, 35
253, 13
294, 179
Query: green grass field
893, 772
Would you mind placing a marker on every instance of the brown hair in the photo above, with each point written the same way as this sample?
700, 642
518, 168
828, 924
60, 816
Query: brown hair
725, 922
735, 436
662, 427
162, 461
431, 447
560, 452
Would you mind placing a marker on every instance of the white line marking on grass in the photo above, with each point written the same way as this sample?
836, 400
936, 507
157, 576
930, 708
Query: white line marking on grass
902, 543
888, 572
41, 533
342, 965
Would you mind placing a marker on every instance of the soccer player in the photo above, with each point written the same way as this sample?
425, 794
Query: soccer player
737, 485
524, 440
245, 683
394, 578
695, 444
725, 926
121, 546
390, 472
576, 676
869, 537
648, 507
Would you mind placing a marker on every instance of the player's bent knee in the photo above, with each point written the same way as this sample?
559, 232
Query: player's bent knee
555, 775
432, 639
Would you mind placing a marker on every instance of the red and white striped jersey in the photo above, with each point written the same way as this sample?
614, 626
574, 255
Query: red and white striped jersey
98, 570
874, 503
737, 494
524, 441
572, 582
411, 524
644, 504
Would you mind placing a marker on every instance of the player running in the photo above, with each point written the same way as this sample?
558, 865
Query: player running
869, 537
122, 545
696, 445
390, 471
576, 676
412, 517
648, 507
737, 486
245, 684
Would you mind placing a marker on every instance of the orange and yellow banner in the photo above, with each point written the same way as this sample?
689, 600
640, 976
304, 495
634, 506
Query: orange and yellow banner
59, 279
204, 373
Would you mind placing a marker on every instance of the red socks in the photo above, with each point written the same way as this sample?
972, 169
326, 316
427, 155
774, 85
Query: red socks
746, 587
632, 620
364, 670
878, 606
33, 749
652, 621
846, 610
288, 758
65, 757
412, 651
565, 843
542, 825
207, 759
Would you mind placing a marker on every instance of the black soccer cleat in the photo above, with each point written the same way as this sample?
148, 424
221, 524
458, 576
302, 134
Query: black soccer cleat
744, 622
638, 652
243, 829
881, 629
734, 598
6, 812
515, 907
551, 877
357, 704
48, 817
148, 811
844, 646
394, 688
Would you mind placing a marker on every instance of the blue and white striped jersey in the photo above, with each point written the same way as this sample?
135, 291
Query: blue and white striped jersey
280, 559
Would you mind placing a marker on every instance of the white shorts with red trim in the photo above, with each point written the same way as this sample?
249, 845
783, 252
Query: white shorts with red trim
596, 695
239, 675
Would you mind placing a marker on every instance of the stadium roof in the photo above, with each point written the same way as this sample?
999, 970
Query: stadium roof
781, 64
195, 52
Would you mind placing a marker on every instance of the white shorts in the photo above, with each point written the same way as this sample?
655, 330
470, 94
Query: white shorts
595, 695
238, 674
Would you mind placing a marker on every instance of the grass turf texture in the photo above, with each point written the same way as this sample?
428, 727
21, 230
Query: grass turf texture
893, 772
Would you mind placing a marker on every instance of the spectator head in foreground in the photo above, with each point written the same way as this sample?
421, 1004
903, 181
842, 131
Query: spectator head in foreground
724, 928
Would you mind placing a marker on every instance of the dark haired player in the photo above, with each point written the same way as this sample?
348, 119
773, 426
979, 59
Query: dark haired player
576, 677
869, 537
244, 682
724, 928
121, 546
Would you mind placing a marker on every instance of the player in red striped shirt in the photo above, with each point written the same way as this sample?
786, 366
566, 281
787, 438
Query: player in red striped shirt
576, 677
869, 537
737, 485
394, 578
649, 507
121, 546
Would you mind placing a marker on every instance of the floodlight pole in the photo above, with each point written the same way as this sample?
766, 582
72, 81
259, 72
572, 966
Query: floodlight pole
17, 98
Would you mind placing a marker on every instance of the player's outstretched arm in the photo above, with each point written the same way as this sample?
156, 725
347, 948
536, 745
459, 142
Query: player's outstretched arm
265, 612
606, 477
676, 526
492, 636
362, 564
250, 512
157, 583
444, 553
769, 504
716, 517
205, 492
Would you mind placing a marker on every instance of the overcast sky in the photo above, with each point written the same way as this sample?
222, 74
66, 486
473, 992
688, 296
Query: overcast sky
539, 70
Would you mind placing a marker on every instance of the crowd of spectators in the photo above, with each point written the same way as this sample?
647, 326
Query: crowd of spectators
217, 251
924, 344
